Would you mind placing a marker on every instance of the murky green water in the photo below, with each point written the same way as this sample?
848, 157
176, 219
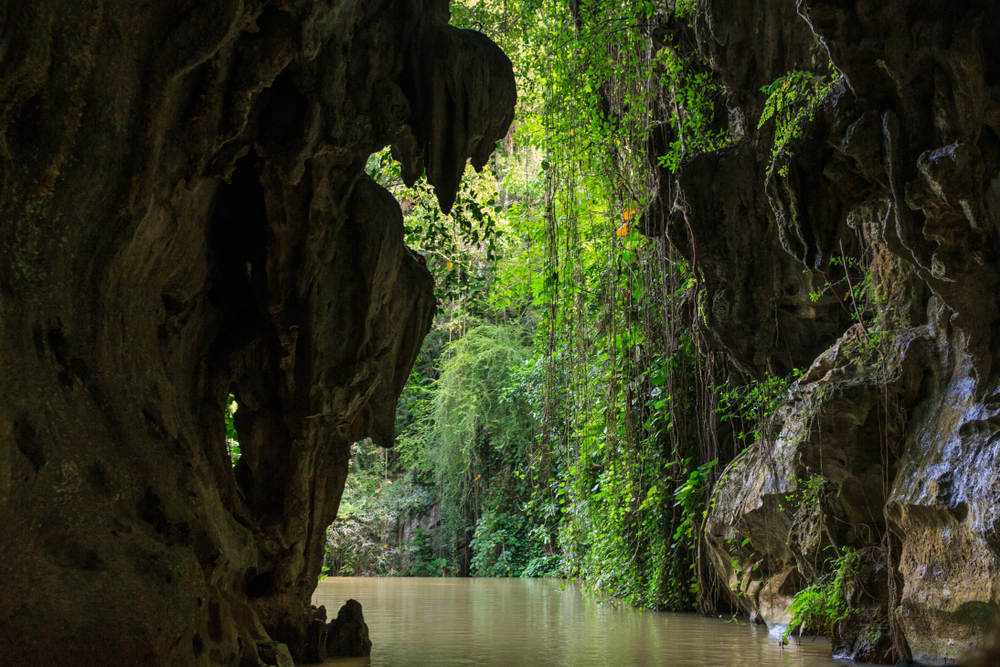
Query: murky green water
538, 623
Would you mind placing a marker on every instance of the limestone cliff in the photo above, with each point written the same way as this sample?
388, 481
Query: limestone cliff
889, 444
185, 216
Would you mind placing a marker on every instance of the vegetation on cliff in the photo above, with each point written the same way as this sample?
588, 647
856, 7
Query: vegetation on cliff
696, 357
713, 326
567, 410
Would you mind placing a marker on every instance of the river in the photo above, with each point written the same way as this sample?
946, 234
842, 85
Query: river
542, 623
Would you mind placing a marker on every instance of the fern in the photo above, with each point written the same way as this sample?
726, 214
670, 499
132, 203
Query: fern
791, 102
819, 608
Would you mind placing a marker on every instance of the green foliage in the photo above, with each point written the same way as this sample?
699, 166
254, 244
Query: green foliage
546, 565
818, 608
691, 499
809, 492
614, 381
427, 561
753, 406
868, 303
502, 546
471, 404
482, 427
363, 540
686, 7
457, 248
415, 424
791, 101
232, 437
695, 94
637, 500
639, 546
466, 422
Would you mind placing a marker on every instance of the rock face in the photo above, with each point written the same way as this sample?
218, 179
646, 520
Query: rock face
428, 520
185, 216
894, 455
348, 635
816, 487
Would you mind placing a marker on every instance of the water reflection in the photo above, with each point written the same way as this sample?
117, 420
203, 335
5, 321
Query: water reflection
538, 623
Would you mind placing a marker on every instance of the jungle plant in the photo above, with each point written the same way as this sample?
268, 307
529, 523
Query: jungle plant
792, 100
546, 565
754, 405
818, 608
502, 547
686, 7
691, 500
232, 437
363, 541
809, 492
482, 432
427, 560
693, 94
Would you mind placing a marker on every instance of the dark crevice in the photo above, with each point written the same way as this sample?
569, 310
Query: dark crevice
150, 509
214, 622
238, 241
284, 114
24, 437
259, 585
991, 60
97, 476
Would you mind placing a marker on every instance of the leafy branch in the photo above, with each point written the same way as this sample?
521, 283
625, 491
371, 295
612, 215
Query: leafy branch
791, 101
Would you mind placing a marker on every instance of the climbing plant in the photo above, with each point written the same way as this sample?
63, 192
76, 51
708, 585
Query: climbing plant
620, 457
791, 102
566, 404
818, 609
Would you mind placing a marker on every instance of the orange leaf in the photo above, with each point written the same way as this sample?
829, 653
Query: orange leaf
628, 213
623, 230
449, 265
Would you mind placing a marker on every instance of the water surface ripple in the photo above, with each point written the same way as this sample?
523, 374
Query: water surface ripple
542, 623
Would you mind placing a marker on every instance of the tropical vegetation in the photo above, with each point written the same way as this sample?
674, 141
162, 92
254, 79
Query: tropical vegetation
566, 412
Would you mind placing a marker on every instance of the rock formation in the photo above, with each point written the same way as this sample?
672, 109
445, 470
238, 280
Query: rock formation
889, 444
348, 634
185, 216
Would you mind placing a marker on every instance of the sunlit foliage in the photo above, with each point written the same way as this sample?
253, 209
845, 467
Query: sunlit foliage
566, 408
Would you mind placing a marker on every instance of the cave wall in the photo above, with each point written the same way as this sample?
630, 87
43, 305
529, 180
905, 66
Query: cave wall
898, 166
185, 216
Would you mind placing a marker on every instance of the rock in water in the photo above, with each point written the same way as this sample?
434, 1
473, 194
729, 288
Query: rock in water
348, 633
